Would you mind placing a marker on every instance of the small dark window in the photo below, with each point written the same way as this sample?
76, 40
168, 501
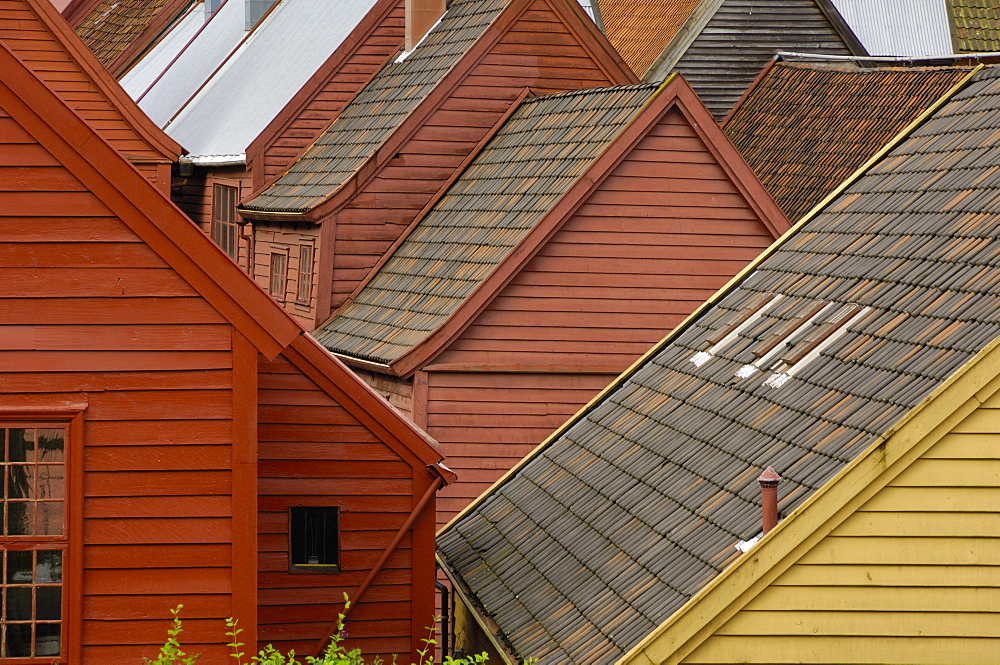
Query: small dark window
279, 273
314, 539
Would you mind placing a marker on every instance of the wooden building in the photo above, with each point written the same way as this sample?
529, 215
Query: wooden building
170, 436
798, 124
858, 357
721, 45
322, 225
592, 222
36, 33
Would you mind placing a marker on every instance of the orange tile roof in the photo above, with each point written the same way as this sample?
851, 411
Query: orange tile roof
641, 29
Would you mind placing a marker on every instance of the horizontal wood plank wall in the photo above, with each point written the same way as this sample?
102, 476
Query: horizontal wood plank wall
537, 51
742, 37
41, 51
313, 453
195, 195
396, 391
324, 107
662, 233
911, 577
487, 421
89, 308
288, 238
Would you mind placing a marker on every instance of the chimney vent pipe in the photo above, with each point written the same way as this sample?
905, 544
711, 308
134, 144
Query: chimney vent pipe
769, 498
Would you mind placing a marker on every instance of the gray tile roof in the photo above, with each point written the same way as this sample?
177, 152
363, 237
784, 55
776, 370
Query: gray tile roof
637, 504
379, 109
545, 146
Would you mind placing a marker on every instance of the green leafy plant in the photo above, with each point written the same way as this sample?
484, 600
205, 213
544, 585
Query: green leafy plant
336, 652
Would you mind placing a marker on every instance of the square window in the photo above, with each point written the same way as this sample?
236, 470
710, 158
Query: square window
314, 539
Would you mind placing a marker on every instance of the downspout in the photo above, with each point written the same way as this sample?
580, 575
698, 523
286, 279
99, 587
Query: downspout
355, 598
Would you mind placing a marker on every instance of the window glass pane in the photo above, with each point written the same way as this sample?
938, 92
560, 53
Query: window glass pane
19, 603
47, 639
49, 603
314, 532
18, 568
50, 518
49, 568
50, 446
18, 640
19, 518
18, 481
50, 481
22, 445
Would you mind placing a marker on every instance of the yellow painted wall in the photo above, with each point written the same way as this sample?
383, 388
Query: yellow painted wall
912, 577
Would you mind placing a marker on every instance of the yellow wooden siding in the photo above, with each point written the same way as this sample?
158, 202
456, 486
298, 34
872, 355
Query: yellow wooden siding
913, 576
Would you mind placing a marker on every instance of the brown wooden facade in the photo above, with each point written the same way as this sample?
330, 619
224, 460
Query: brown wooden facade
195, 415
541, 46
667, 216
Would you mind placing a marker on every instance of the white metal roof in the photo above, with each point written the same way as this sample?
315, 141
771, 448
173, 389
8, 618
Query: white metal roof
144, 73
195, 63
899, 27
265, 72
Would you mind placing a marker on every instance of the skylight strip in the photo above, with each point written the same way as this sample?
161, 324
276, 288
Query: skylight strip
703, 357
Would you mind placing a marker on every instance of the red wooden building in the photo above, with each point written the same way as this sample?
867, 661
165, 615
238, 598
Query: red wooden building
323, 224
589, 224
35, 32
171, 436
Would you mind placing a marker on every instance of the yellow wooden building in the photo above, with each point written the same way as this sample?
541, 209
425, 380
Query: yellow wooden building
860, 358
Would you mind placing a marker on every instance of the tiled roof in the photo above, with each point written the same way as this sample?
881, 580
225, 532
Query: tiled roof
547, 144
113, 24
378, 110
637, 504
641, 30
804, 128
976, 25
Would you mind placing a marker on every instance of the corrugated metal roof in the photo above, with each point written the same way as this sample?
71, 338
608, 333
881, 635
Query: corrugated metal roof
641, 29
901, 27
378, 109
638, 504
977, 25
195, 63
137, 79
264, 73
547, 144
804, 128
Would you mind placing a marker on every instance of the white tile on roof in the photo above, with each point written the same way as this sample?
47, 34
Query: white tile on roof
137, 79
196, 62
263, 74
900, 27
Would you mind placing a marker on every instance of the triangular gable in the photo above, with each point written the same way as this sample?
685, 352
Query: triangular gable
749, 35
427, 339
378, 37
187, 251
45, 44
404, 94
800, 532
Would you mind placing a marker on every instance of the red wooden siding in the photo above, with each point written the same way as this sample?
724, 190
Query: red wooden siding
289, 239
312, 117
487, 421
194, 194
538, 51
92, 313
313, 453
43, 52
662, 233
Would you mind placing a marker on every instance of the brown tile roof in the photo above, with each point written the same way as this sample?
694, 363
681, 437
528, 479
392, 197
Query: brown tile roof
804, 128
113, 24
547, 144
976, 25
378, 110
641, 29
637, 503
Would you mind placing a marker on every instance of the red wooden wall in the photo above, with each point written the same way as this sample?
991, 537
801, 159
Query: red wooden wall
663, 232
314, 453
92, 314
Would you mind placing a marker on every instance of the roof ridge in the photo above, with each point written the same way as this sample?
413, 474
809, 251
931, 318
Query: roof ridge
589, 91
